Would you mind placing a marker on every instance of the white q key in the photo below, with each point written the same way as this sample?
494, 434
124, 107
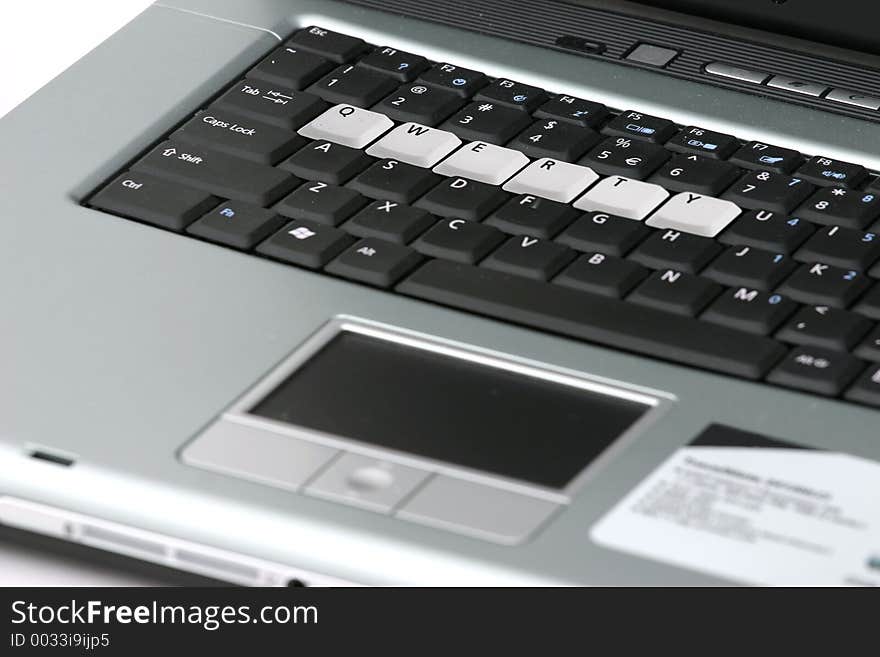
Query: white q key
347, 125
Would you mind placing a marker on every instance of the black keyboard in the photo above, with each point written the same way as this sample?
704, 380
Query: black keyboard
551, 211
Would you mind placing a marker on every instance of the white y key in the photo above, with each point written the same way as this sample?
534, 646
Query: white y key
695, 213
347, 125
416, 144
624, 197
483, 162
558, 181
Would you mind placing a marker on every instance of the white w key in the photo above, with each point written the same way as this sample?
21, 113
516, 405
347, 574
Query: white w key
416, 144
347, 125
558, 181
483, 162
695, 213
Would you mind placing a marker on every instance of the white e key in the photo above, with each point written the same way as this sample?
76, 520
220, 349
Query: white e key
624, 197
483, 162
695, 213
416, 144
347, 125
558, 181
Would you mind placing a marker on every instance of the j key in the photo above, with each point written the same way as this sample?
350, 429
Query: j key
602, 274
321, 203
278, 106
836, 206
395, 181
675, 250
705, 143
641, 126
420, 104
290, 67
816, 370
758, 155
622, 196
555, 139
389, 221
374, 261
489, 122
624, 157
217, 173
305, 243
403, 66
237, 224
327, 162
513, 94
530, 257
819, 284
691, 173
158, 202
332, 45
766, 230
462, 81
675, 292
751, 310
841, 247
584, 113
825, 171
869, 305
751, 267
606, 233
866, 389
869, 347
466, 199
763, 190
347, 125
459, 240
821, 326
532, 215
354, 85
239, 135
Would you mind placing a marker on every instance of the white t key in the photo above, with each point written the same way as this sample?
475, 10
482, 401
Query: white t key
347, 125
416, 144
624, 197
695, 213
483, 162
558, 181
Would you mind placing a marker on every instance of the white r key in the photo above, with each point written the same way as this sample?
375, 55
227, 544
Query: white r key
347, 125
558, 181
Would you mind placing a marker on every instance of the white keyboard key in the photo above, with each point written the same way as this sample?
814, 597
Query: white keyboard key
416, 144
558, 181
624, 197
347, 125
696, 214
483, 162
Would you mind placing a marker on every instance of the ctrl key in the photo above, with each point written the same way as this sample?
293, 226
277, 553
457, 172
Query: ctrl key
821, 371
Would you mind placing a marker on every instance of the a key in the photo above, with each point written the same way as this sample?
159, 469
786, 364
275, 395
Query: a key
155, 201
821, 326
866, 389
374, 261
606, 233
602, 274
837, 206
624, 157
462, 81
758, 155
459, 240
326, 161
766, 230
275, 105
819, 284
638, 125
486, 121
512, 94
692, 173
748, 309
305, 243
552, 179
695, 214
694, 140
528, 256
869, 347
415, 144
675, 292
675, 250
869, 305
354, 85
466, 199
403, 66
555, 139
570, 109
394, 181
825, 171
532, 215
483, 162
751, 267
290, 67
763, 190
622, 196
841, 247
347, 125
420, 103
818, 370
321, 203
336, 47
390, 221
237, 224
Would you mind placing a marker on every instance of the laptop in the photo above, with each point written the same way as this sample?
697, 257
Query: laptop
386, 292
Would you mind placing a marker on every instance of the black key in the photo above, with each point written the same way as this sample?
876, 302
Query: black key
530, 257
403, 66
395, 181
675, 292
819, 284
420, 103
556, 139
869, 305
390, 221
622, 156
290, 67
278, 106
584, 113
486, 122
305, 243
321, 203
354, 85
374, 261
459, 240
866, 390
821, 326
602, 274
841, 247
869, 348
606, 233
675, 250
692, 173
767, 230
825, 171
705, 143
237, 224
816, 370
758, 155
749, 310
217, 173
750, 267
462, 81
336, 47
155, 201
836, 206
763, 190
466, 199
641, 126
327, 162
239, 136
532, 215
513, 94
585, 316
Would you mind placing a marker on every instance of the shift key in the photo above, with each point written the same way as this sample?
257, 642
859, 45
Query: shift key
217, 173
